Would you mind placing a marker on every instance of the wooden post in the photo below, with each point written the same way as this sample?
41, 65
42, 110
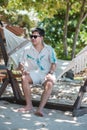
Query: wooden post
77, 109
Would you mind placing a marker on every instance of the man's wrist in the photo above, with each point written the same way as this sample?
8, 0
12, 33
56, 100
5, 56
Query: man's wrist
51, 72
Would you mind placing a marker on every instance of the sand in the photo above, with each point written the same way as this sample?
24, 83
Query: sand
10, 119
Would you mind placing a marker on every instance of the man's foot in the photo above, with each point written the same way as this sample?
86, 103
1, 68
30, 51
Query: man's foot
37, 113
24, 109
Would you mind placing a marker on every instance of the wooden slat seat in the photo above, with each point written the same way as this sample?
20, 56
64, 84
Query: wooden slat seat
2, 76
3, 72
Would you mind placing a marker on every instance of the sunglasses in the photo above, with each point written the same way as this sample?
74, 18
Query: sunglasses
34, 36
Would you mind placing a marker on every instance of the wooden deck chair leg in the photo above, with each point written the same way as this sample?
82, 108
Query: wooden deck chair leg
3, 86
78, 110
16, 89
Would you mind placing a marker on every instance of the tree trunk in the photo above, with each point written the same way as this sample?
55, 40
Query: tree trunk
78, 28
65, 28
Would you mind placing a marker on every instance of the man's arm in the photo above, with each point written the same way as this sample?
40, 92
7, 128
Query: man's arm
52, 68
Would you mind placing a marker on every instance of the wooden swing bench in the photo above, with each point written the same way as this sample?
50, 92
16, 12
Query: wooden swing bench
76, 108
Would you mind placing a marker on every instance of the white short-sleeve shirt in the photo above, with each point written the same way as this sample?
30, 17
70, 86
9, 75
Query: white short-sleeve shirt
39, 62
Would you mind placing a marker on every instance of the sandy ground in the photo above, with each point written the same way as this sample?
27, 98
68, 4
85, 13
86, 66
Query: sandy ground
10, 119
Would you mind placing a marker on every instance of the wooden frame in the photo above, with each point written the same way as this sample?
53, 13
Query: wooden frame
14, 84
76, 108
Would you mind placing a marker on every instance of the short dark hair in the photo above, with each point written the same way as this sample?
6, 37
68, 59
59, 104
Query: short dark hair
39, 30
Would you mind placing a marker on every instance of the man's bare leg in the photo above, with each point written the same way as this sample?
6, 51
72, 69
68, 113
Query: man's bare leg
27, 93
45, 95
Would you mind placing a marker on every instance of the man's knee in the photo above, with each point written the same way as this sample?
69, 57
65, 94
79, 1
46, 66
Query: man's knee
24, 78
27, 79
49, 84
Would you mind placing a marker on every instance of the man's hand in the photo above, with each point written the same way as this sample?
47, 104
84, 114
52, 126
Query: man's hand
50, 77
21, 67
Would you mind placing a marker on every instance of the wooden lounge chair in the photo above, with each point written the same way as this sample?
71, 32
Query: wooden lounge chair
76, 108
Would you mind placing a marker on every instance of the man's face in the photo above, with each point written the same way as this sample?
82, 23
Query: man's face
36, 38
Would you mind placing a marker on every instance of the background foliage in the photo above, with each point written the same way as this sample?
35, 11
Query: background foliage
50, 15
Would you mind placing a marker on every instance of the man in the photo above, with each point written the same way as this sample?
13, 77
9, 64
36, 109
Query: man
38, 65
